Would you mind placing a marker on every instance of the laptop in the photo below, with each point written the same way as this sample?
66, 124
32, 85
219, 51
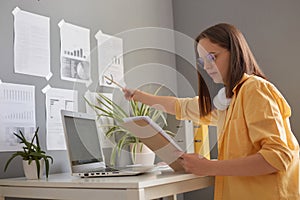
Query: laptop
84, 148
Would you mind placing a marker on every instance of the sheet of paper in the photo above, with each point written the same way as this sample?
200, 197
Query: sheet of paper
102, 121
17, 113
110, 59
56, 100
31, 44
75, 53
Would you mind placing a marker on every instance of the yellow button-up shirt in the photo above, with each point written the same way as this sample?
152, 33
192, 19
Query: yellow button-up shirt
256, 121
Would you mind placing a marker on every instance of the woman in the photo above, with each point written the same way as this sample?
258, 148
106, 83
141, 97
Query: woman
258, 155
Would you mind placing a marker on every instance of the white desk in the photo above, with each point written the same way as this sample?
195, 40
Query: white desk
64, 186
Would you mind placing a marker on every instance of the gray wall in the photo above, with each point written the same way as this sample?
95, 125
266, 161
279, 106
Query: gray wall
270, 26
112, 17
272, 30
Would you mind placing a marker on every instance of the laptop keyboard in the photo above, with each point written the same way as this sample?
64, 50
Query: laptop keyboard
107, 169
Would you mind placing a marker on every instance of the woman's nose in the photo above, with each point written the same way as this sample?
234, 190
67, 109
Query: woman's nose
207, 65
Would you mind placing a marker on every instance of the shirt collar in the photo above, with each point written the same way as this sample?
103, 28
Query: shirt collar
243, 79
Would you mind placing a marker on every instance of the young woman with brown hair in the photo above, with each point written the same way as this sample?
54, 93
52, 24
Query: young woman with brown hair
258, 155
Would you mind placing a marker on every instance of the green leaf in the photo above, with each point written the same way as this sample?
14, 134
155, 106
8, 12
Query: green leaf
170, 133
113, 155
36, 154
108, 112
21, 138
115, 107
121, 143
10, 159
38, 167
37, 139
110, 132
49, 157
133, 151
145, 110
47, 166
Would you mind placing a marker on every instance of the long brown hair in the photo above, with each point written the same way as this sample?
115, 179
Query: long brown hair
241, 61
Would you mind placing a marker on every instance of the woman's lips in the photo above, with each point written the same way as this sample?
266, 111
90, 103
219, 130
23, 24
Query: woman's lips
212, 73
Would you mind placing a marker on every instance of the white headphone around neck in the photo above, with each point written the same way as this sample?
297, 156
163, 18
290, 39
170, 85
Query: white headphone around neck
221, 102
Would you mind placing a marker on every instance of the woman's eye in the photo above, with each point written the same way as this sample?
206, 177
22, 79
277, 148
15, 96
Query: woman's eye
211, 57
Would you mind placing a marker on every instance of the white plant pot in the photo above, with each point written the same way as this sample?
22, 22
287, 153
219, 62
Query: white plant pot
31, 170
145, 157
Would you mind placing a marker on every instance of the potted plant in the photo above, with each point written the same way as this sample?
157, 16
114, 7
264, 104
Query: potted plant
105, 107
31, 153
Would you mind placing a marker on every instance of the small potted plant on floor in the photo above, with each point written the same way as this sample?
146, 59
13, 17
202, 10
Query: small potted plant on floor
33, 156
105, 107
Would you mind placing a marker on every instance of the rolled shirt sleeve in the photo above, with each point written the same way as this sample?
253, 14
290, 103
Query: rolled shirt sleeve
268, 124
188, 109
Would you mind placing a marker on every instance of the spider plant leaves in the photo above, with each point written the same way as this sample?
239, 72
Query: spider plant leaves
114, 108
106, 107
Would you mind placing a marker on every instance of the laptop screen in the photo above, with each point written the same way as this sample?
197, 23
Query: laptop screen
83, 141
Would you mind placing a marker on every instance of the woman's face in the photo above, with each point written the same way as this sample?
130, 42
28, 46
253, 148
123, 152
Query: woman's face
216, 60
